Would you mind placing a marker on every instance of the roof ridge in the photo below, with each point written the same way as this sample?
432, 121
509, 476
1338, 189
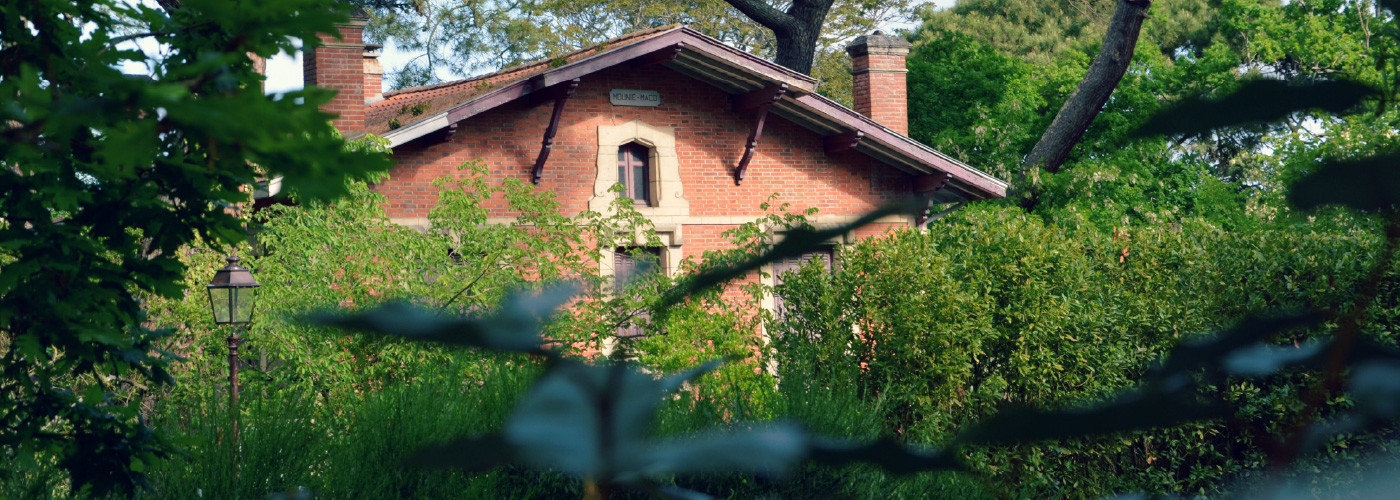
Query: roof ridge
534, 63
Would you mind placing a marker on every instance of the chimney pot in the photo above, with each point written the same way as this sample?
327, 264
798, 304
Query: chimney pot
374, 74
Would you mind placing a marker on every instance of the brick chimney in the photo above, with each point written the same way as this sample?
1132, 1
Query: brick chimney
340, 65
877, 62
374, 74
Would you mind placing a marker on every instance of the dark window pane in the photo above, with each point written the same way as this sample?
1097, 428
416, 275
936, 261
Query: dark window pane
633, 172
639, 174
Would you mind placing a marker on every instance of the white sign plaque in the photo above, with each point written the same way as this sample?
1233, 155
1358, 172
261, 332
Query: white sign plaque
630, 97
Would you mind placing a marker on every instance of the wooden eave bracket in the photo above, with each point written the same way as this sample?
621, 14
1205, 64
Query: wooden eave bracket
928, 185
843, 142
559, 94
445, 135
662, 56
760, 100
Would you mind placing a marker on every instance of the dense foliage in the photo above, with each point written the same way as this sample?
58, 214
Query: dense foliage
986, 79
1110, 340
106, 178
997, 308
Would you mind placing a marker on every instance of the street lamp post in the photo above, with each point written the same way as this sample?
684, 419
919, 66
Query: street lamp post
232, 295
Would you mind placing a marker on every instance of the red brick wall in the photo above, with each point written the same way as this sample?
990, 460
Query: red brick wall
709, 142
339, 65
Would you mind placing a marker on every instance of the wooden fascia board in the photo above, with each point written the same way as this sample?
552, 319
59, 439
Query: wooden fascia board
691, 41
729, 80
930, 183
599, 62
986, 185
420, 128
797, 82
490, 101
662, 56
433, 123
550, 94
955, 190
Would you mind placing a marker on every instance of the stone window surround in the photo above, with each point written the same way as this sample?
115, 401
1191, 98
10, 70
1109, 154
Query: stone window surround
669, 206
668, 199
671, 241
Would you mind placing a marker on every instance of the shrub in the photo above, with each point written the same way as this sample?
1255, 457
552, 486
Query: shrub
992, 307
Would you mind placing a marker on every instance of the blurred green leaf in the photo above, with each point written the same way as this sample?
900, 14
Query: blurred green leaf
1257, 101
558, 423
471, 454
1209, 352
591, 420
1263, 360
885, 453
1392, 5
515, 328
1366, 184
672, 492
1129, 411
674, 382
1375, 385
773, 449
795, 243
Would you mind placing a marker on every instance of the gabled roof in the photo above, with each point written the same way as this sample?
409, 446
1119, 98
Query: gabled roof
411, 113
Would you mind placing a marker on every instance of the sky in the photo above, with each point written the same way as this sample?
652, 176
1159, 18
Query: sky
284, 70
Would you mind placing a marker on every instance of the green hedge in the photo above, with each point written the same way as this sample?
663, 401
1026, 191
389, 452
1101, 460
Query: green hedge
992, 307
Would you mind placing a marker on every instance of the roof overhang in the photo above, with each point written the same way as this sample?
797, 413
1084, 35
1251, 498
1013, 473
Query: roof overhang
737, 72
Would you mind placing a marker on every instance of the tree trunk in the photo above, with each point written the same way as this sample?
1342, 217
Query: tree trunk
797, 31
797, 49
1089, 97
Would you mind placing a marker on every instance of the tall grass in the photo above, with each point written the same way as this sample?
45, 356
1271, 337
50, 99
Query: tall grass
353, 445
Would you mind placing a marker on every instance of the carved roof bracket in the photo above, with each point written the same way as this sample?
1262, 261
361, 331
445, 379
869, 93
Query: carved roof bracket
445, 135
560, 93
662, 56
927, 186
843, 142
760, 100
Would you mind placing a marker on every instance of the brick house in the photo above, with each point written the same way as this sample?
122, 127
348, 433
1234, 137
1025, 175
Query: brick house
699, 133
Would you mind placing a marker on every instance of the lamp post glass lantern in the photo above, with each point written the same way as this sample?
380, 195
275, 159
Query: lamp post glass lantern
232, 295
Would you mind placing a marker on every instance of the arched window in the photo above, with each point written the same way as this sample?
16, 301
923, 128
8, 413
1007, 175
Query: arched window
634, 172
660, 189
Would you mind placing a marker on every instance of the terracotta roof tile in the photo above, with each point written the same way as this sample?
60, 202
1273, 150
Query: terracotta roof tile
404, 106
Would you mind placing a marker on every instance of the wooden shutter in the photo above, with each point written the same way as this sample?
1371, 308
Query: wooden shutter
626, 262
793, 264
